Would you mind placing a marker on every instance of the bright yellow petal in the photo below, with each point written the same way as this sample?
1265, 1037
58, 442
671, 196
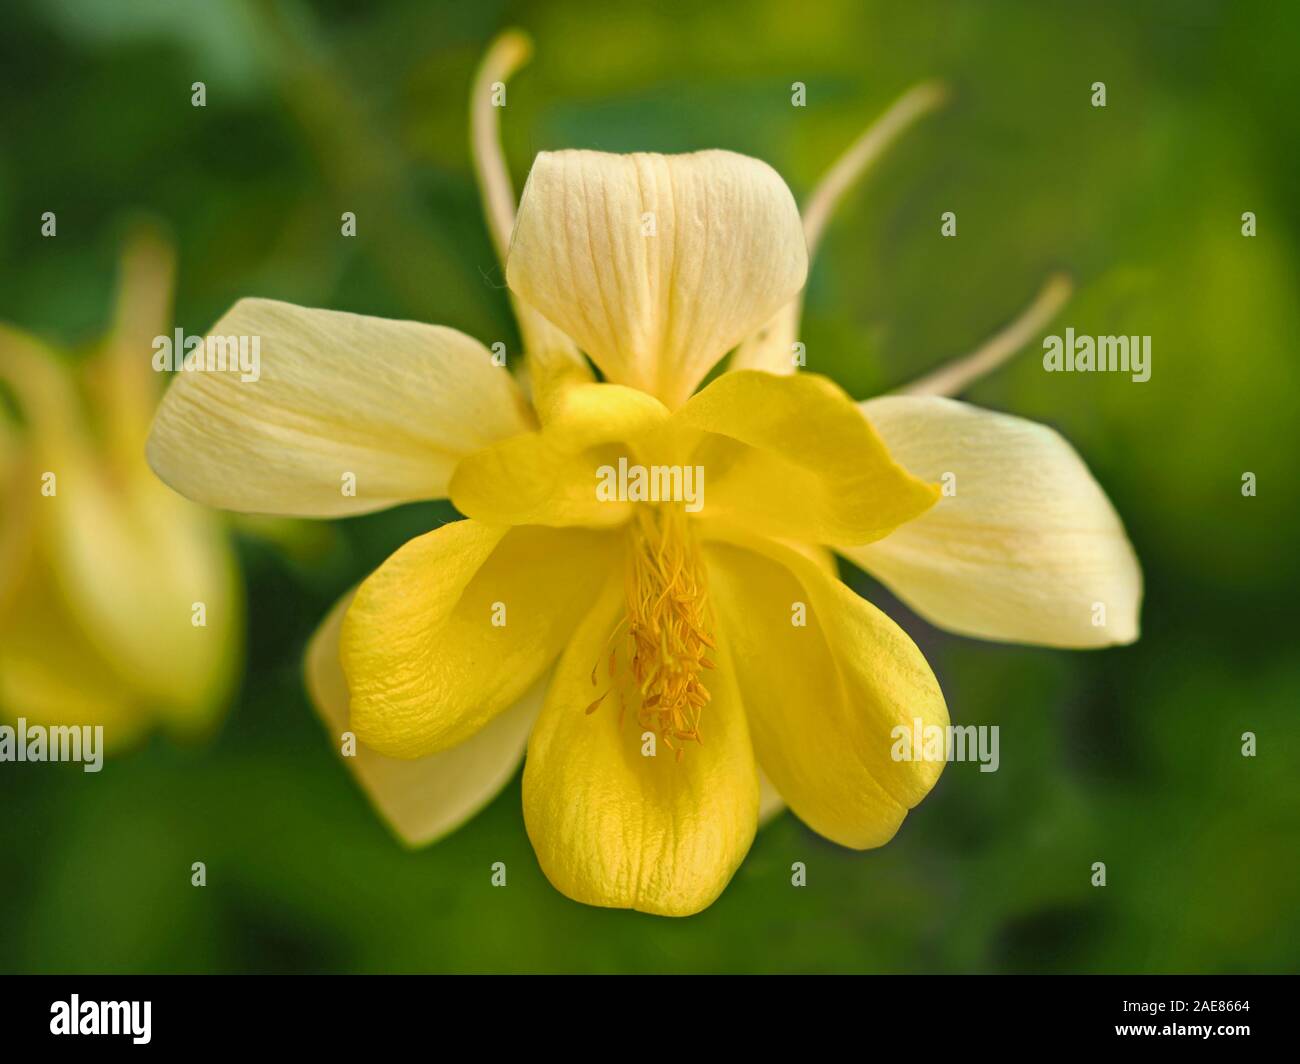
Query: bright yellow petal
793, 457
429, 797
349, 414
549, 477
1027, 549
426, 664
824, 698
613, 827
657, 265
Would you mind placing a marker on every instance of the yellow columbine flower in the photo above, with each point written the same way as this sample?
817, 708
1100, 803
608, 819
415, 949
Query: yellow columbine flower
651, 656
101, 566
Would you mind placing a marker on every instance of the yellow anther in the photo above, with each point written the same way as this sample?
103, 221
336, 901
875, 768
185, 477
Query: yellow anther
667, 627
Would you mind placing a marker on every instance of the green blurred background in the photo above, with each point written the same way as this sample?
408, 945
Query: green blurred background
1128, 756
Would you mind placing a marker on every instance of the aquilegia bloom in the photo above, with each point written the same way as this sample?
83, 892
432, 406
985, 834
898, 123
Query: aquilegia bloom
717, 641
101, 567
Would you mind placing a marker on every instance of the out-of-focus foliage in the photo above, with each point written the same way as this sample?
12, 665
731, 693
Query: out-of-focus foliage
1128, 756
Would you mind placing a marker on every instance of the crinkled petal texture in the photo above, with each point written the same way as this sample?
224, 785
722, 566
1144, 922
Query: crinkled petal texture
428, 797
1027, 549
616, 828
657, 265
348, 414
826, 679
459, 623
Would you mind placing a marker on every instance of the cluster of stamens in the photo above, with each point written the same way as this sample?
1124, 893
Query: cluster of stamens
665, 634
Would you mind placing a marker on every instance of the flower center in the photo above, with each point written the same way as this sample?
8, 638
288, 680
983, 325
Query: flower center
661, 649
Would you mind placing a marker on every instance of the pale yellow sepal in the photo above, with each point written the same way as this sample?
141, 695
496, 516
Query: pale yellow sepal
424, 799
347, 414
657, 265
1024, 547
